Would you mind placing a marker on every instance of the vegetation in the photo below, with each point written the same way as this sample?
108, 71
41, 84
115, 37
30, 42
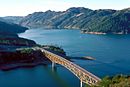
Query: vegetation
26, 50
54, 48
13, 19
11, 28
27, 55
15, 57
16, 41
102, 20
117, 22
23, 55
116, 81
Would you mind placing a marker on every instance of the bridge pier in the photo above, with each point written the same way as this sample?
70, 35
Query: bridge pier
81, 83
53, 66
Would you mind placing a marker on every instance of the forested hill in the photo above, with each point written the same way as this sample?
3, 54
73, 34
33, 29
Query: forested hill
102, 20
8, 36
13, 19
10, 28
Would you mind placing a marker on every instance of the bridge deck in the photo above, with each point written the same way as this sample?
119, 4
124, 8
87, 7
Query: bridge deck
82, 74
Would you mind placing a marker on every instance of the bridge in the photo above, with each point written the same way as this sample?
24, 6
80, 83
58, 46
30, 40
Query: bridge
83, 75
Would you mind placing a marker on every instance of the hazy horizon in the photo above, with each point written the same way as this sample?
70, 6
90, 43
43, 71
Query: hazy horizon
24, 7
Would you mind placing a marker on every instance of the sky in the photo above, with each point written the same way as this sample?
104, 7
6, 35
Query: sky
25, 7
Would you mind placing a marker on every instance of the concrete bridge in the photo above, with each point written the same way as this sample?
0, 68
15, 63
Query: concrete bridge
84, 76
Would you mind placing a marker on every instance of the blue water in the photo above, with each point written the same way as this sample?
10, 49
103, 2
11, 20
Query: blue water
112, 53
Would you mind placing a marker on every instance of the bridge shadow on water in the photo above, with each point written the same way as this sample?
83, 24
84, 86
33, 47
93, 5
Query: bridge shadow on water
54, 74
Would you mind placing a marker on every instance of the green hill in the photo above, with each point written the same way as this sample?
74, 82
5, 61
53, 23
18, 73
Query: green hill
9, 38
102, 20
6, 27
116, 81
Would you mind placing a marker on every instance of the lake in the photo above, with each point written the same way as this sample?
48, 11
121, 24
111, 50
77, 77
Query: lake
112, 53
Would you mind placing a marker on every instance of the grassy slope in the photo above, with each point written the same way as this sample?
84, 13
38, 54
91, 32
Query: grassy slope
116, 81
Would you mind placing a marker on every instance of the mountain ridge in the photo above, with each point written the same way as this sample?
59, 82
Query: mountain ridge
88, 20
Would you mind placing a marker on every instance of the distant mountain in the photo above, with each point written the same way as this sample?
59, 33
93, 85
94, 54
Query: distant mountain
117, 23
52, 19
102, 20
7, 27
13, 19
3, 20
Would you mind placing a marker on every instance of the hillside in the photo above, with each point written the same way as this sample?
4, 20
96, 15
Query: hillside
6, 27
115, 81
13, 19
9, 38
102, 20
52, 19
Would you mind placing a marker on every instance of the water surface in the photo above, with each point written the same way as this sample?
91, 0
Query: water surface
112, 53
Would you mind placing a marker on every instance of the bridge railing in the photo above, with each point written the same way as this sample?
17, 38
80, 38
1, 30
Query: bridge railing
81, 73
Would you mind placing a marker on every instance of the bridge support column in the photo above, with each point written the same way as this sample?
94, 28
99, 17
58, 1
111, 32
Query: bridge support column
53, 66
81, 83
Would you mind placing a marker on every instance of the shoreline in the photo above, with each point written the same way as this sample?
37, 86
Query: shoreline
7, 67
97, 33
101, 33
12, 66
